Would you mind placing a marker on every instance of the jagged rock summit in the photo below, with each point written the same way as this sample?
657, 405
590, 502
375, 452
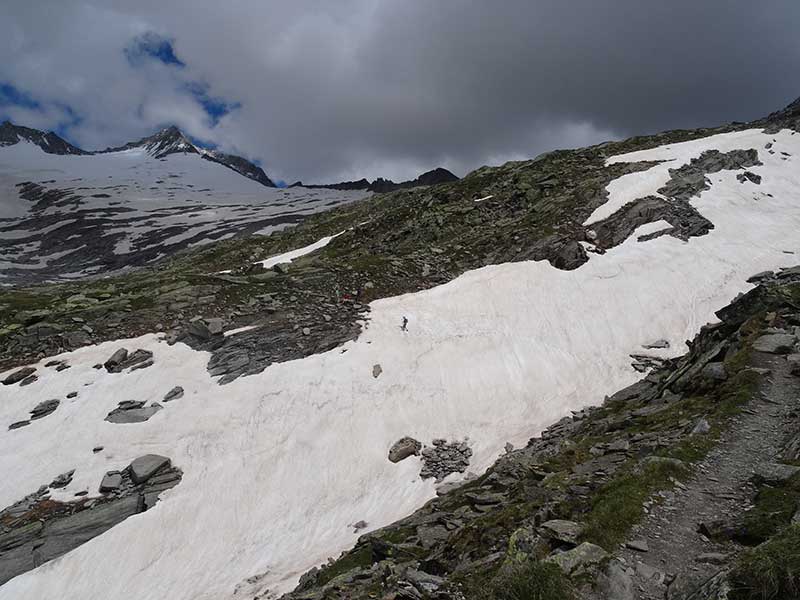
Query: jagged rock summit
382, 186
51, 143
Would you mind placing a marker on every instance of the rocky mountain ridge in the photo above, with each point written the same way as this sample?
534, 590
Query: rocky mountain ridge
170, 140
51, 143
381, 185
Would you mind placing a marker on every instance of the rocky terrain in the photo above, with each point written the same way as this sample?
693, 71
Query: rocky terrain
386, 349
381, 185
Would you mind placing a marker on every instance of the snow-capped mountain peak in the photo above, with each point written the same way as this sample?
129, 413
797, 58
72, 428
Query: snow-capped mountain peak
169, 140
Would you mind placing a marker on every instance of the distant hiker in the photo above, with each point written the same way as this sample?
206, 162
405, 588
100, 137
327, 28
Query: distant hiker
404, 326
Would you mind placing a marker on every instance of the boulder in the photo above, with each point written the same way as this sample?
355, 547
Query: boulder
702, 427
714, 372
174, 394
559, 530
44, 408
19, 375
794, 363
403, 448
111, 482
62, 480
582, 559
614, 583
376, 371
774, 474
113, 363
775, 343
132, 412
145, 466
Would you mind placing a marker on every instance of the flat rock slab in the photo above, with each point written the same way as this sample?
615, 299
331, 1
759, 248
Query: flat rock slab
19, 375
111, 482
145, 466
562, 531
775, 343
132, 415
774, 473
44, 408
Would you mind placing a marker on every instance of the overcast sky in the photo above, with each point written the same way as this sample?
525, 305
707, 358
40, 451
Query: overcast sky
325, 90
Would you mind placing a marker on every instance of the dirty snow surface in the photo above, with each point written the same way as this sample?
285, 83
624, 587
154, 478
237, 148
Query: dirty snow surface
278, 466
100, 213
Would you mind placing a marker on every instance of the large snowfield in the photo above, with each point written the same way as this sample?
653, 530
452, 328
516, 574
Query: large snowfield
278, 466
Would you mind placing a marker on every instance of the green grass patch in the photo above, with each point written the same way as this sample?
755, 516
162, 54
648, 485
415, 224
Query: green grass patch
770, 571
531, 580
619, 504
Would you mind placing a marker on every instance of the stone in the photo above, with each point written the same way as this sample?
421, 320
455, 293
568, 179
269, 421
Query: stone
579, 560
145, 466
18, 424
774, 474
282, 268
658, 344
111, 482
113, 363
44, 408
62, 480
638, 545
714, 372
663, 460
306, 331
19, 375
759, 277
132, 412
376, 371
614, 583
403, 448
174, 394
712, 558
649, 573
359, 525
215, 326
775, 343
794, 363
28, 380
72, 395
619, 446
702, 427
559, 530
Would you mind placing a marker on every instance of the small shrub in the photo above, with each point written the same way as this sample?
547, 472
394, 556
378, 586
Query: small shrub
770, 571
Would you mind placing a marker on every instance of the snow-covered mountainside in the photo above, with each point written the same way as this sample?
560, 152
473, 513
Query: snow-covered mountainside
68, 213
465, 317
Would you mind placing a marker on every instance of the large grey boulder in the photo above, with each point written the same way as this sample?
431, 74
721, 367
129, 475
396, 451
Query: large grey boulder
44, 408
111, 482
774, 473
132, 412
582, 559
559, 530
113, 363
775, 343
145, 466
403, 448
19, 375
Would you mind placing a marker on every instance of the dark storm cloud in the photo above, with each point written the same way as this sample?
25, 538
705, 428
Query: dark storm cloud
328, 90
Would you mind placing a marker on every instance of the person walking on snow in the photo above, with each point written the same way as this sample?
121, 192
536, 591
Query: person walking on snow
404, 326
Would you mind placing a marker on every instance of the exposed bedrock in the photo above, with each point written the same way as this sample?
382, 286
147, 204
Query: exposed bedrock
36, 529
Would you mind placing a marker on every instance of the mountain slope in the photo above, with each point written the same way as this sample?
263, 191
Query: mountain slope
69, 213
496, 305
